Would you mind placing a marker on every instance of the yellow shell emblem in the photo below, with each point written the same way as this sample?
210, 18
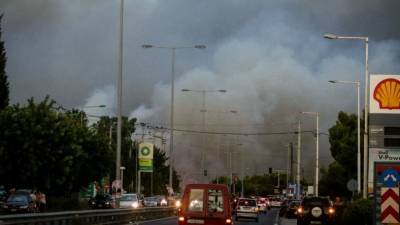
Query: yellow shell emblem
387, 93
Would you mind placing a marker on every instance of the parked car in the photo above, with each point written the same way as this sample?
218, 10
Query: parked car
20, 203
129, 200
102, 201
315, 210
205, 204
247, 208
150, 201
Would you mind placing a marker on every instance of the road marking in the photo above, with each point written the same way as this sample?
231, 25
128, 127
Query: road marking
277, 218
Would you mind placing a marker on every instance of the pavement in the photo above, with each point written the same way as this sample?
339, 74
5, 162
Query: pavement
285, 221
265, 219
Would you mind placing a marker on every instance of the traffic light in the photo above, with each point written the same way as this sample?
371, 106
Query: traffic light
205, 173
270, 170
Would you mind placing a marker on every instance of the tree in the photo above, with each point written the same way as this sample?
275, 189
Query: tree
4, 86
49, 150
334, 180
129, 155
343, 140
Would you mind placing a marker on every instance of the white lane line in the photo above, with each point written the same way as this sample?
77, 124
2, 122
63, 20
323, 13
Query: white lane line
277, 219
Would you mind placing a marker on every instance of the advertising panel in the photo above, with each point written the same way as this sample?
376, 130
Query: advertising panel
146, 157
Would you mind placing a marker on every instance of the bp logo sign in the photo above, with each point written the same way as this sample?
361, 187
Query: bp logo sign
146, 151
146, 157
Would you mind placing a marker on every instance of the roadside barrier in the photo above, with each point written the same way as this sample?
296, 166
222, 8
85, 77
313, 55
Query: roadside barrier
100, 216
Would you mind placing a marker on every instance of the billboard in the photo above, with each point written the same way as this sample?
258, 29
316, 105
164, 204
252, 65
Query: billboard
380, 155
384, 94
146, 157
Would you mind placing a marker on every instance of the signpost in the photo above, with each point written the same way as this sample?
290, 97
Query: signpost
146, 151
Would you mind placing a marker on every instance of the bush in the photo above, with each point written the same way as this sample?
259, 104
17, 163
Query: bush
358, 212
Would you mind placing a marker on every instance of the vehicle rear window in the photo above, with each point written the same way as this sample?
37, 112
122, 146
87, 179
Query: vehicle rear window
18, 198
215, 201
196, 200
128, 198
247, 202
315, 201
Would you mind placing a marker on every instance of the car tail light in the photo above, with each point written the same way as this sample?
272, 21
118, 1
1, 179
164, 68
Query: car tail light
228, 221
300, 210
331, 210
181, 218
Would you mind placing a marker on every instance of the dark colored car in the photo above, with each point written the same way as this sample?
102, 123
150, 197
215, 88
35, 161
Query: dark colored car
289, 209
315, 210
3, 196
102, 202
20, 203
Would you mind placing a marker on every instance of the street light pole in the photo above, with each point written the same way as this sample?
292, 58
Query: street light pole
317, 150
120, 73
366, 109
171, 144
357, 83
298, 158
204, 111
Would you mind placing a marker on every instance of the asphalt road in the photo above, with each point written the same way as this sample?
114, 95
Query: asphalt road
265, 219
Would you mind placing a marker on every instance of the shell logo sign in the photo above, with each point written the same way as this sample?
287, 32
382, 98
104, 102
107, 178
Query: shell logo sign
385, 94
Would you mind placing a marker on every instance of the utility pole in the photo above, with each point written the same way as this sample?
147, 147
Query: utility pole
298, 159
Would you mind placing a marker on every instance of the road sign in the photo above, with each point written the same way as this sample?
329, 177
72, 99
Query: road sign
352, 185
389, 178
389, 205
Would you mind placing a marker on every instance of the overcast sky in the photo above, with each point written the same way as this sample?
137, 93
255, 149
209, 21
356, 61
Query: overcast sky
269, 55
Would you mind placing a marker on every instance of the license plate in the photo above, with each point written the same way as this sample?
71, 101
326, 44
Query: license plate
13, 210
99, 205
195, 221
315, 222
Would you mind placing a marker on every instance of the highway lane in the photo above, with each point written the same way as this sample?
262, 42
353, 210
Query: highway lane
265, 219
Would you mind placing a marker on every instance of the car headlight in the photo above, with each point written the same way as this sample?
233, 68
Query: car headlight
23, 207
163, 201
6, 206
135, 205
178, 204
107, 203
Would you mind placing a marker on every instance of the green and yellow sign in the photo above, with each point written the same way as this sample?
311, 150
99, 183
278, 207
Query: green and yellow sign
146, 157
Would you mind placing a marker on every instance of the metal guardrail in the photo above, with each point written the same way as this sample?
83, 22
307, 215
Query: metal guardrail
101, 216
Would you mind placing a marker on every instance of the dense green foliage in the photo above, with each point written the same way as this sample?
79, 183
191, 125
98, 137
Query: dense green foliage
358, 212
343, 141
49, 150
129, 157
4, 86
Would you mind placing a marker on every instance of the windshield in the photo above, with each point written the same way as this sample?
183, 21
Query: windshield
129, 198
247, 202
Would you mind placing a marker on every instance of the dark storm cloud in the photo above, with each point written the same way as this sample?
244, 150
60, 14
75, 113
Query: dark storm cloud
269, 55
